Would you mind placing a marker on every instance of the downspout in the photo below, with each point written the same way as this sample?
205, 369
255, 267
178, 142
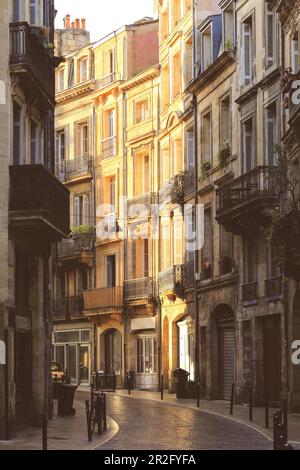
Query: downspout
125, 231
95, 212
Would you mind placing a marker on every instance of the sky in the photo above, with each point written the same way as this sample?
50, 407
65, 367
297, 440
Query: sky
103, 16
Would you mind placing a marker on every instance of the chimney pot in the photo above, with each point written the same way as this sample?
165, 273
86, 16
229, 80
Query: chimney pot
83, 24
77, 21
67, 21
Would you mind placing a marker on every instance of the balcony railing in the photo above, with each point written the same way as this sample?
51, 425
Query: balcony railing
248, 194
140, 205
103, 298
70, 169
171, 279
273, 287
138, 289
249, 292
28, 52
189, 181
109, 147
189, 273
76, 246
68, 307
36, 195
108, 80
173, 190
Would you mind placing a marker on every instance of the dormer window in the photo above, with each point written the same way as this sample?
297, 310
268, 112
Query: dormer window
207, 51
270, 38
228, 16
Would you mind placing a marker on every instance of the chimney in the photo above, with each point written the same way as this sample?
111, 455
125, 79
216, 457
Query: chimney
83, 24
67, 22
77, 21
73, 24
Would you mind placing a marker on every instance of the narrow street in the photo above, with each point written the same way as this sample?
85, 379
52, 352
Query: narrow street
146, 425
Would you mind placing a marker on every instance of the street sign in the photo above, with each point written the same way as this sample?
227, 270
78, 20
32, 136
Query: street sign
2, 353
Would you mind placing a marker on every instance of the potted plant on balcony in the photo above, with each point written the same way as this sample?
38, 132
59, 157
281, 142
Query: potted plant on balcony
224, 154
205, 169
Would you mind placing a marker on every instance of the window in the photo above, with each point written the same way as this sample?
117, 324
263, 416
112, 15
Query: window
109, 66
71, 74
108, 143
18, 10
83, 70
34, 143
225, 122
295, 54
81, 210
34, 12
17, 134
60, 146
190, 151
228, 27
110, 271
206, 138
177, 237
188, 62
250, 262
206, 255
165, 166
270, 31
111, 123
207, 57
46, 13
271, 135
165, 246
61, 79
82, 140
146, 355
176, 156
141, 111
112, 191
176, 75
247, 51
273, 269
248, 145
226, 261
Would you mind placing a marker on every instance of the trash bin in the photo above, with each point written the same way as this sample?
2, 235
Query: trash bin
65, 399
181, 379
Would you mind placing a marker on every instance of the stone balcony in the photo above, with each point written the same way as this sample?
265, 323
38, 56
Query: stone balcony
77, 249
68, 170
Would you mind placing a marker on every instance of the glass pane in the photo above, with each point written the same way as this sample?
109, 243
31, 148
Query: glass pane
85, 335
84, 364
67, 337
60, 355
71, 364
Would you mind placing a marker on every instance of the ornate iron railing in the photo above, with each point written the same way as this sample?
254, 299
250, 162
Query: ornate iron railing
249, 292
171, 279
69, 169
68, 307
189, 181
26, 49
140, 205
34, 188
76, 245
103, 298
262, 182
136, 289
273, 287
109, 147
173, 190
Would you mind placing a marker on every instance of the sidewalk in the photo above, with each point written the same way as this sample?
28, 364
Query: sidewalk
64, 433
240, 412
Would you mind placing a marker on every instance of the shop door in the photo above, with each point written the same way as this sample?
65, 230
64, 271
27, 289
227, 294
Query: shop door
226, 346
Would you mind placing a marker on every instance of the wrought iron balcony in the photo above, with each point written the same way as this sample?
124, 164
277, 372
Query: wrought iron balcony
32, 61
109, 147
189, 274
70, 169
249, 292
243, 203
172, 279
105, 298
273, 287
68, 307
79, 247
140, 205
172, 191
189, 181
39, 205
139, 289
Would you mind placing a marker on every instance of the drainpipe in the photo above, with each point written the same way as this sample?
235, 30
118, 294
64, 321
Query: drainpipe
125, 189
7, 427
94, 186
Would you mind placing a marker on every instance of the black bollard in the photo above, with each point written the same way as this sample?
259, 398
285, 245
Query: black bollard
162, 387
88, 420
232, 399
267, 408
251, 404
198, 394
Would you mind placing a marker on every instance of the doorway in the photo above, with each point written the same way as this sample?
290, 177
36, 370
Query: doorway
113, 352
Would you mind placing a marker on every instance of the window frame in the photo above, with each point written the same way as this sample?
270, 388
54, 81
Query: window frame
269, 12
141, 358
249, 22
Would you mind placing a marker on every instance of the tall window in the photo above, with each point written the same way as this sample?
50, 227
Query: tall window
226, 255
146, 354
82, 140
270, 31
34, 143
229, 27
60, 146
207, 57
295, 53
18, 14
61, 79
111, 123
250, 262
273, 269
206, 137
34, 12
71, 74
247, 51
141, 111
164, 166
248, 145
81, 210
112, 191
165, 86
271, 134
225, 122
83, 70
110, 271
190, 150
17, 134
206, 256
176, 74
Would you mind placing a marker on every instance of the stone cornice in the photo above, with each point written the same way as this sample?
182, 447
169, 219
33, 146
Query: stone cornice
75, 92
141, 78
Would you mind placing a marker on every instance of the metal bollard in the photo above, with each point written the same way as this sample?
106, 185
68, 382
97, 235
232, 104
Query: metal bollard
128, 384
198, 394
251, 404
104, 412
88, 420
232, 399
162, 387
267, 408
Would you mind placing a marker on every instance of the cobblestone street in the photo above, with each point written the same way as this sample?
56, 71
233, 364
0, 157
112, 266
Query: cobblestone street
146, 425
